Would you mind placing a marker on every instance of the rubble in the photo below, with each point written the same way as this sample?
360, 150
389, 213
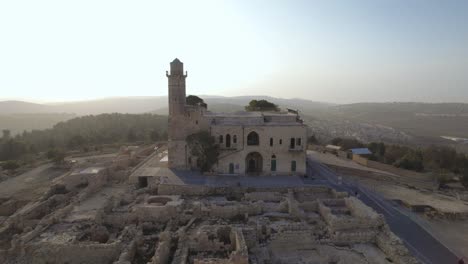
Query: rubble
87, 217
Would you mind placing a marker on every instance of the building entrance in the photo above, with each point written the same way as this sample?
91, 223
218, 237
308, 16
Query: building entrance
253, 163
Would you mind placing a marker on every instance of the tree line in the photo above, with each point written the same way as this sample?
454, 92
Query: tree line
85, 132
436, 159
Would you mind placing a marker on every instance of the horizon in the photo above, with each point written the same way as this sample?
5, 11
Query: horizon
335, 52
52, 103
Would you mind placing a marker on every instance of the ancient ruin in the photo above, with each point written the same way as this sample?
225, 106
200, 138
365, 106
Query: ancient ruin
94, 215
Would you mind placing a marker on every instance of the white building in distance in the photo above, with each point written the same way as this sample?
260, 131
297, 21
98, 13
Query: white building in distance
251, 143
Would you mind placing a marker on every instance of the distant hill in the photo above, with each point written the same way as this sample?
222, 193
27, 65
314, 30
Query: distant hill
19, 116
20, 107
237, 103
397, 122
133, 105
17, 123
421, 119
125, 105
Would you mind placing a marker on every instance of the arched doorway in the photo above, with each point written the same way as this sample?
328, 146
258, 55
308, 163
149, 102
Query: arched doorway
253, 163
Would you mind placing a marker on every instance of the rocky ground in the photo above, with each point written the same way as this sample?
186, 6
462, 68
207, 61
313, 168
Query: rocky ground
94, 214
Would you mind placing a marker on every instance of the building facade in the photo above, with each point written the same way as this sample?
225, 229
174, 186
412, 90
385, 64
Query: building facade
251, 143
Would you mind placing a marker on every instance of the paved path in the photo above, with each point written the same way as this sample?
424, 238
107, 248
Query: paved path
425, 247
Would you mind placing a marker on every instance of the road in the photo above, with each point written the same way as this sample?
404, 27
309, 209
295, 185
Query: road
422, 244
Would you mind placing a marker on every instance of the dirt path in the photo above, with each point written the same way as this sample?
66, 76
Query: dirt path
31, 184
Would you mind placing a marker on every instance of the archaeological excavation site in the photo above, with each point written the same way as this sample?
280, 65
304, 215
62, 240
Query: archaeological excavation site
107, 210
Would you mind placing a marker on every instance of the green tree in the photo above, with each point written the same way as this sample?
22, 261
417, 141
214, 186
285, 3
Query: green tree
194, 100
394, 153
77, 141
6, 134
51, 153
440, 158
131, 135
312, 140
154, 135
10, 165
377, 148
202, 146
56, 155
261, 105
12, 149
411, 161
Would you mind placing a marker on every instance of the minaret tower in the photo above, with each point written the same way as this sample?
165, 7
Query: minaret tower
176, 88
177, 132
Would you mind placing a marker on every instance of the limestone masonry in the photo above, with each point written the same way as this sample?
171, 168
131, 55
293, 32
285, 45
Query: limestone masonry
253, 143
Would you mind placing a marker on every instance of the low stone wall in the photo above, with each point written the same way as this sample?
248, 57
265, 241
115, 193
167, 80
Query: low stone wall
393, 247
362, 217
43, 253
360, 210
354, 236
264, 196
240, 254
229, 211
156, 213
313, 192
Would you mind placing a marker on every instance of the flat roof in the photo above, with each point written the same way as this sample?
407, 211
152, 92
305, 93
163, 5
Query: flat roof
247, 114
361, 151
244, 118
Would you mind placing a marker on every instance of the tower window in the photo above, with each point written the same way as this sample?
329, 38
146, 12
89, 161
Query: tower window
280, 141
298, 141
220, 139
234, 139
271, 142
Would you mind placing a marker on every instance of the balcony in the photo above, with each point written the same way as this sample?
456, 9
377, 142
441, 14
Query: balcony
296, 148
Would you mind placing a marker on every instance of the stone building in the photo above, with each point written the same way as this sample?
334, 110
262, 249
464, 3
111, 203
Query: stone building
254, 143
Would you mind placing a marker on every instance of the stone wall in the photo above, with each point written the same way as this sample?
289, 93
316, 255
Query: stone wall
43, 253
392, 246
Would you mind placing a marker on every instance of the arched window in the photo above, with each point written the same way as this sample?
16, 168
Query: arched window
281, 141
231, 168
220, 139
271, 142
273, 163
234, 139
293, 166
252, 139
228, 141
299, 141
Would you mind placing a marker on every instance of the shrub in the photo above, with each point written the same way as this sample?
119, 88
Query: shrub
10, 165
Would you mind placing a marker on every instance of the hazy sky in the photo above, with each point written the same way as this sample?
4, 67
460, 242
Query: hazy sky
335, 51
